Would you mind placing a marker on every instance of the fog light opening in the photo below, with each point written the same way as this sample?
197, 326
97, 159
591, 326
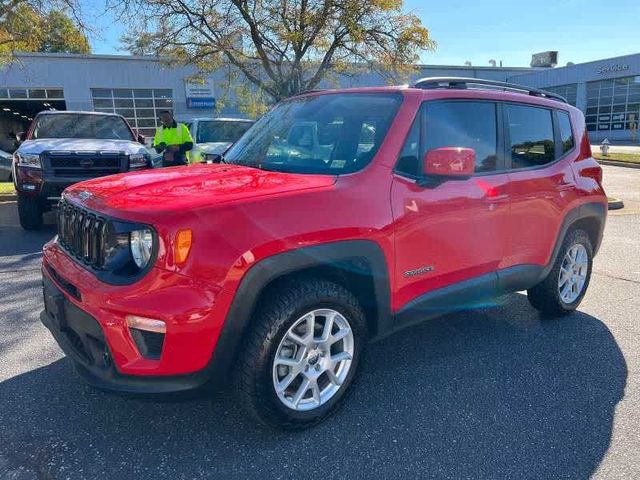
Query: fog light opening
146, 324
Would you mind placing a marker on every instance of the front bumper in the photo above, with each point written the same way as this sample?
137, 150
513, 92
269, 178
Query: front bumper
34, 183
88, 320
82, 339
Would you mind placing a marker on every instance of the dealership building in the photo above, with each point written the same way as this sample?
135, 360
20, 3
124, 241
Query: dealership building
607, 91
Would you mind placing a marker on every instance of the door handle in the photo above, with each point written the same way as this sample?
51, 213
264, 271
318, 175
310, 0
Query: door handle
496, 198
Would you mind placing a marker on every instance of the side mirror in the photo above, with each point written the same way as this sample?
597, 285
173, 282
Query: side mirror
21, 136
141, 139
449, 162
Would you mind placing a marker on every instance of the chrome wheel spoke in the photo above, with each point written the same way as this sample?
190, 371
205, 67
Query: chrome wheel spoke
340, 357
339, 335
293, 363
284, 384
328, 326
315, 390
302, 389
332, 377
294, 337
311, 323
565, 290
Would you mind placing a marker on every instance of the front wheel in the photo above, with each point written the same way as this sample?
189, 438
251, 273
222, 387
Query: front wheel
566, 284
29, 212
302, 354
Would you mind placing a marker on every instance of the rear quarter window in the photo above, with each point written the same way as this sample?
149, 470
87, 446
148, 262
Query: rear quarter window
530, 136
566, 133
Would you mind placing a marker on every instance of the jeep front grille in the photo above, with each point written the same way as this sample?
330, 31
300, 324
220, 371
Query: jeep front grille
81, 233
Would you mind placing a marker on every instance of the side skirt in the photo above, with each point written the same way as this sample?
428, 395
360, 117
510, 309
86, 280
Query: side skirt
467, 295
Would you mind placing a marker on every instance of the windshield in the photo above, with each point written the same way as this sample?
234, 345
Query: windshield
330, 134
104, 127
221, 131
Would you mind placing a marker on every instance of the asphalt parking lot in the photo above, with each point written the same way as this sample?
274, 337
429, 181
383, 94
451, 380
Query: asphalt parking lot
496, 393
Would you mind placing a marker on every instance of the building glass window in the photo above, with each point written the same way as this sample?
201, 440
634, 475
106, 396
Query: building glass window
18, 92
55, 93
37, 93
140, 106
613, 104
570, 92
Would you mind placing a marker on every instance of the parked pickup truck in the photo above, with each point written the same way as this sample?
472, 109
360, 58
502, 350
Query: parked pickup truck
339, 218
62, 148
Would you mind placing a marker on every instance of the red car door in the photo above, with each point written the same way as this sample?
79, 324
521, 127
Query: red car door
540, 187
457, 230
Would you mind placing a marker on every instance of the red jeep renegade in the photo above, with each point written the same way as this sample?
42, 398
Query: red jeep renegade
340, 217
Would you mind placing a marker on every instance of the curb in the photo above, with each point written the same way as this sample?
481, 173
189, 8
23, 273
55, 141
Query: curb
8, 197
615, 204
615, 163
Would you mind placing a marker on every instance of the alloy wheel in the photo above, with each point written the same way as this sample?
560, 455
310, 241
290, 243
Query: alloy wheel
313, 359
573, 273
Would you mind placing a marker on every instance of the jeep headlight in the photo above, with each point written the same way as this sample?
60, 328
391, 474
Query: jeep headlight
141, 244
137, 160
28, 160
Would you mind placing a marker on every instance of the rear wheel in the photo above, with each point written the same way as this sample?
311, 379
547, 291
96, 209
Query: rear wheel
302, 354
566, 284
29, 212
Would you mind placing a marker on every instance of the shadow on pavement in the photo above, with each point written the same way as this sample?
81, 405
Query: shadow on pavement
18, 245
497, 393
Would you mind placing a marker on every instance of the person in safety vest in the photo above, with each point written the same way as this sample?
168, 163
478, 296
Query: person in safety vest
173, 140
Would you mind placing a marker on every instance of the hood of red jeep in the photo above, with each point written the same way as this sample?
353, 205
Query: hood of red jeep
175, 189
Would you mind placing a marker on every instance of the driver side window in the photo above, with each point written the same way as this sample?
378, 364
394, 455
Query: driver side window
467, 124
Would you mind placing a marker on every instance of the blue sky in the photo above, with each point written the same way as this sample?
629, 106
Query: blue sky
481, 30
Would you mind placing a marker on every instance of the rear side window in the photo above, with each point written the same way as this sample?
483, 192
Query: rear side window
464, 124
531, 136
566, 134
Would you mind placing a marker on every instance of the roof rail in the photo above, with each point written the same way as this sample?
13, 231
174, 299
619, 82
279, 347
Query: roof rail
305, 92
464, 83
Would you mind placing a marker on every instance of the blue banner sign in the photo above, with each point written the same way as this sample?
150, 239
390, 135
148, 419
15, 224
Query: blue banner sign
201, 102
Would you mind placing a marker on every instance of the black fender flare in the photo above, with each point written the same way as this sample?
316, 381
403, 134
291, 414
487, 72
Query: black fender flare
523, 277
276, 266
591, 210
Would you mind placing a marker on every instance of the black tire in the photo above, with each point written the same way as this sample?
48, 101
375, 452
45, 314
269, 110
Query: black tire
545, 296
29, 212
284, 305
